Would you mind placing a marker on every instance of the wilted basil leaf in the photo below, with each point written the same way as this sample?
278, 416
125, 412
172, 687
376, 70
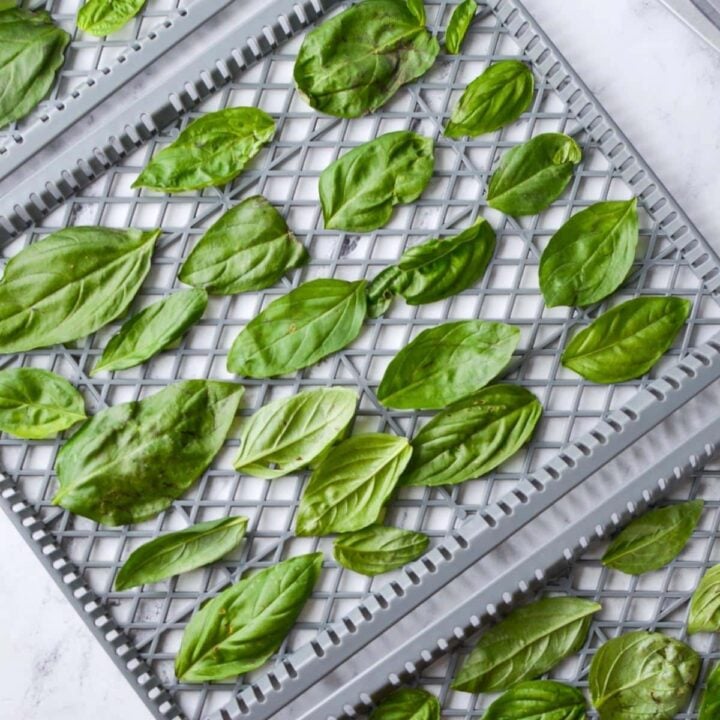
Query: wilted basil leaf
382, 290
408, 704
102, 17
705, 604
538, 700
710, 704
459, 24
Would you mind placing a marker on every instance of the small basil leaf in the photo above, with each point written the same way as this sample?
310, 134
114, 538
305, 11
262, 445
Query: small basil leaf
528, 642
626, 341
654, 539
288, 434
358, 191
446, 363
378, 549
129, 462
459, 24
242, 627
710, 704
382, 290
539, 700
589, 257
153, 329
642, 675
473, 436
309, 323
181, 551
408, 704
356, 61
533, 175
495, 98
102, 17
705, 604
211, 150
37, 404
249, 248
70, 284
351, 485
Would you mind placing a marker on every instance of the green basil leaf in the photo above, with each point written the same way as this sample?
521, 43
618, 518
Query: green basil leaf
626, 341
495, 98
129, 462
242, 627
181, 551
32, 49
408, 704
654, 539
103, 17
378, 549
533, 175
590, 256
382, 289
705, 604
459, 24
249, 248
211, 150
473, 436
642, 675
288, 434
358, 190
153, 329
309, 323
37, 404
528, 642
356, 61
417, 8
8, 4
70, 284
446, 363
710, 704
539, 700
351, 485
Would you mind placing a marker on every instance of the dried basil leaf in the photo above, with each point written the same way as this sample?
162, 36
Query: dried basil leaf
710, 703
705, 604
408, 704
539, 700
103, 17
459, 24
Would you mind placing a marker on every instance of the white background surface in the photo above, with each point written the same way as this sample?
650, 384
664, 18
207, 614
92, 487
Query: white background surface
662, 85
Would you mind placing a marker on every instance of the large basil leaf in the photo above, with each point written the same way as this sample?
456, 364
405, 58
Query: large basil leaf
382, 290
378, 549
653, 539
528, 642
533, 175
153, 329
473, 436
249, 248
590, 255
358, 190
539, 700
351, 485
459, 24
710, 704
32, 48
705, 604
129, 462
642, 676
494, 99
211, 150
309, 323
70, 284
242, 627
446, 363
102, 17
288, 434
37, 404
356, 61
626, 341
408, 704
181, 551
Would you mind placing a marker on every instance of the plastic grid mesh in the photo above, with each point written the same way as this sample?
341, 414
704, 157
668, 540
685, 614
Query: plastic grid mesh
287, 174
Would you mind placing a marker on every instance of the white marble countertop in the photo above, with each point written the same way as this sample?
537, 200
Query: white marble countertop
658, 80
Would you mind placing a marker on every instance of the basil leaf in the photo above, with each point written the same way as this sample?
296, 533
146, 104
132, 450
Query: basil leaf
642, 675
153, 329
528, 642
309, 323
242, 627
705, 604
710, 703
211, 150
473, 436
533, 175
358, 190
382, 290
288, 434
459, 24
249, 248
653, 539
590, 256
102, 17
37, 404
626, 341
378, 549
8, 4
408, 704
181, 551
539, 700
356, 61
129, 462
495, 98
32, 49
446, 363
70, 284
351, 485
